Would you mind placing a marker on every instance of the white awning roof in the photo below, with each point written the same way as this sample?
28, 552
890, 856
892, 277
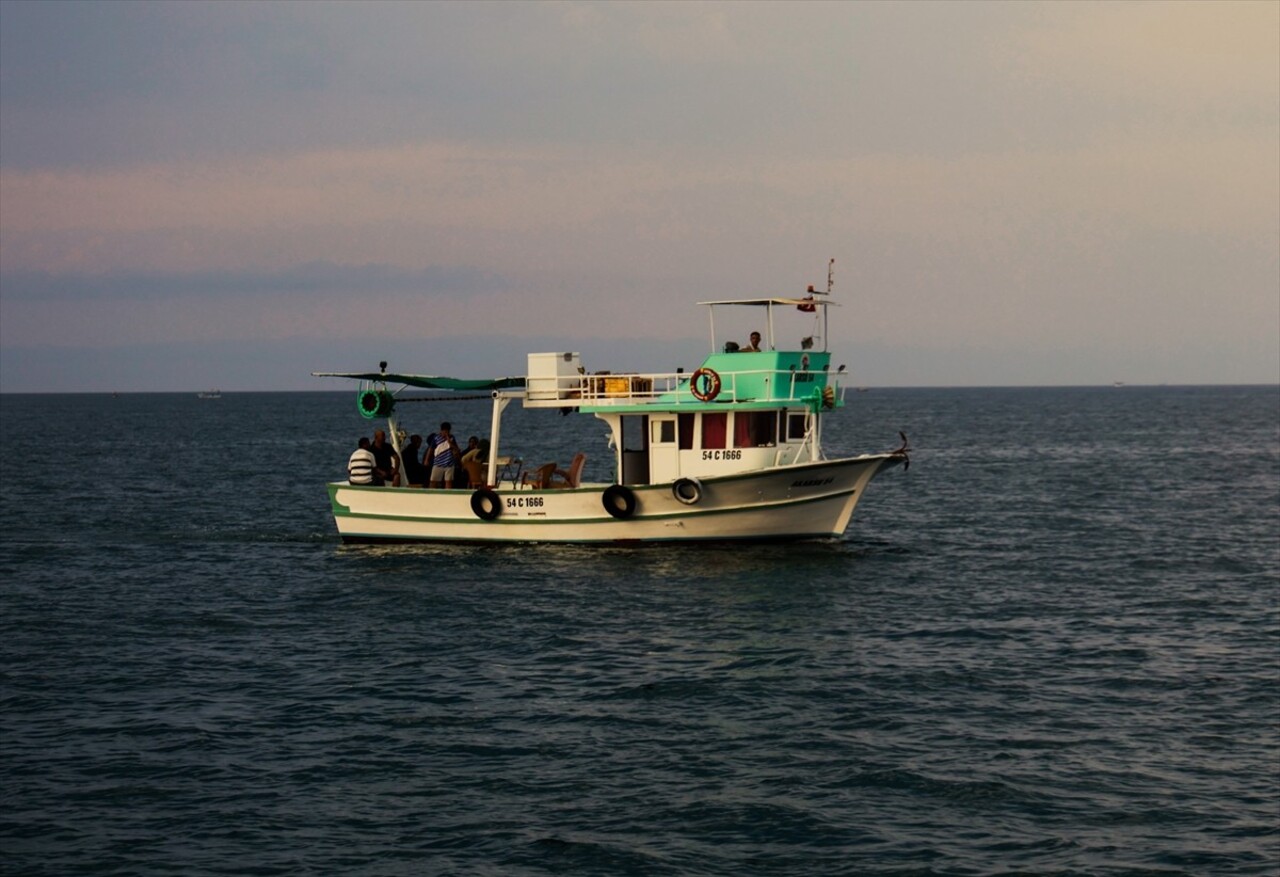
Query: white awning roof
818, 300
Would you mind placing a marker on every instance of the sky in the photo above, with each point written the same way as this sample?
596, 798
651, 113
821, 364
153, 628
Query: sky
236, 194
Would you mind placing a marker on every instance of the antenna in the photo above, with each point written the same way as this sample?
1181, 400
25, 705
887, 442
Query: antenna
831, 281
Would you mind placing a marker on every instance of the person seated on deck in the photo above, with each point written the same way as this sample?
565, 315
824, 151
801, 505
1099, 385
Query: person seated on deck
753, 346
386, 462
471, 468
472, 451
471, 473
415, 474
360, 466
444, 453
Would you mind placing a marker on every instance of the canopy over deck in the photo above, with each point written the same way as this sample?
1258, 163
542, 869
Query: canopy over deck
428, 382
810, 304
765, 302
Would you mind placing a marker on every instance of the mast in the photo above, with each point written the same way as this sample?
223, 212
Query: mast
831, 269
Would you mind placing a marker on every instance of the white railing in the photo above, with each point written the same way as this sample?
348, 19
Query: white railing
606, 388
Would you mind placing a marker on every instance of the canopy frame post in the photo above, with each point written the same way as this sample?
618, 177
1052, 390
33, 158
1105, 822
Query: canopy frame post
500, 402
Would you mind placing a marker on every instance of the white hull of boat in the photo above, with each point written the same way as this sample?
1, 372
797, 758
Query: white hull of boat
805, 501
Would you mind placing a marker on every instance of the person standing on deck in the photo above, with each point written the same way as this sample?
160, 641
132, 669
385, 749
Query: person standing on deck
414, 472
386, 462
445, 454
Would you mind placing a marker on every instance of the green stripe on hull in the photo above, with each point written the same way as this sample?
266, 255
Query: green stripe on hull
369, 539
781, 504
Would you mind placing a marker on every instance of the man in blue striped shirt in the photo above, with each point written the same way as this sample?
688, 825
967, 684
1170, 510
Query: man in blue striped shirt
445, 454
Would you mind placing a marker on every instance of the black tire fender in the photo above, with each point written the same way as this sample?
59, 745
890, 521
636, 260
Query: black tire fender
687, 490
619, 501
486, 504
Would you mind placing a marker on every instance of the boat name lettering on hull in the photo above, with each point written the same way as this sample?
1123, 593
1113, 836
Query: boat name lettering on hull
722, 455
812, 482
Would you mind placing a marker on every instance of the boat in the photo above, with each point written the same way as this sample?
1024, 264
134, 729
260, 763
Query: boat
209, 394
730, 451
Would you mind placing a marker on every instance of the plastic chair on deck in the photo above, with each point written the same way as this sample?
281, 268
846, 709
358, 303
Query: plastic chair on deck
562, 479
475, 470
538, 478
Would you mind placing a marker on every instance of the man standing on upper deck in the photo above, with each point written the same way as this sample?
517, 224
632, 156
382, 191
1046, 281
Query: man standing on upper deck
754, 346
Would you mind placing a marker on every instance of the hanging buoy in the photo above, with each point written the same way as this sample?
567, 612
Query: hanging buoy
375, 403
704, 384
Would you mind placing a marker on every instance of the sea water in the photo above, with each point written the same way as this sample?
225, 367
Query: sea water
1050, 646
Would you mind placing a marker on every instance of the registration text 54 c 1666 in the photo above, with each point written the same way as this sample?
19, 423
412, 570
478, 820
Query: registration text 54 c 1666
722, 455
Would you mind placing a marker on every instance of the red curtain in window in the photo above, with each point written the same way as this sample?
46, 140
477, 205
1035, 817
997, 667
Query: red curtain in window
686, 432
713, 430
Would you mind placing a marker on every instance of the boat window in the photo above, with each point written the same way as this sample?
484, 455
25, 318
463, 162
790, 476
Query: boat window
713, 429
664, 432
686, 432
795, 426
635, 433
754, 429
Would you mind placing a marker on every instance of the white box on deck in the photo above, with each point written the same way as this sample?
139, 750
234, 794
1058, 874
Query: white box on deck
552, 376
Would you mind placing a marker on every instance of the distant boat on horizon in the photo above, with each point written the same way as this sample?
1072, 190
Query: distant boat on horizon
209, 394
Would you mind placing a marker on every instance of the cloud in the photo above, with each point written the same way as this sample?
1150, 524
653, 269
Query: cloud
403, 205
1000, 245
311, 277
287, 363
93, 85
1016, 175
134, 83
1216, 58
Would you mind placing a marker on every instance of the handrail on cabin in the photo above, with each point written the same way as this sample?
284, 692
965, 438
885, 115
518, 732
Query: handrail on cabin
672, 387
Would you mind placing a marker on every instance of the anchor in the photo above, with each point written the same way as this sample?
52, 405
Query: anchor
902, 451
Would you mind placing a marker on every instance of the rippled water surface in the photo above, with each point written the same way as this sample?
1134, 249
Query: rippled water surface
1049, 647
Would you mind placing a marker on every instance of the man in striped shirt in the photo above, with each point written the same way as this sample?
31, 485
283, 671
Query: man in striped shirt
360, 466
445, 454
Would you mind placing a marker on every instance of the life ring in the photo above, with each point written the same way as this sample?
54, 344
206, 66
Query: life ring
713, 384
619, 501
486, 504
828, 397
687, 490
375, 403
